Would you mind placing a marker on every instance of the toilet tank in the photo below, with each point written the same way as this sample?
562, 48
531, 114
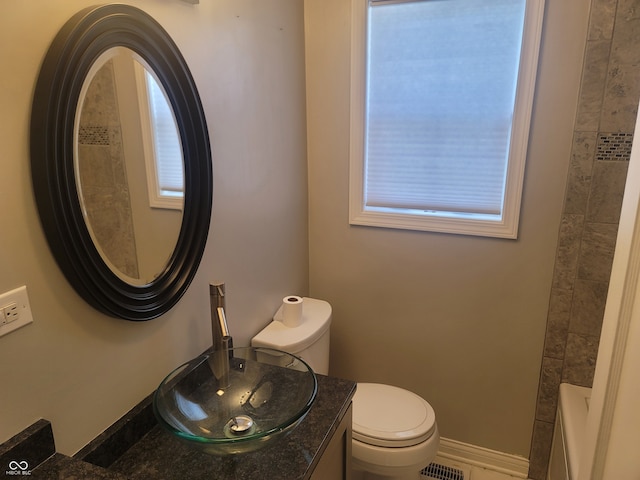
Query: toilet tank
309, 340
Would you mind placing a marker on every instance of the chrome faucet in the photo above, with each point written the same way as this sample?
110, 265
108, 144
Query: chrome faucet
219, 328
222, 341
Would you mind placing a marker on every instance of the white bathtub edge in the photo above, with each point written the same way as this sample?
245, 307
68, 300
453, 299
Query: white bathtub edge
573, 410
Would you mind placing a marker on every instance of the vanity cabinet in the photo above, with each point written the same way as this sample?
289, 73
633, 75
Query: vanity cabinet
136, 448
335, 463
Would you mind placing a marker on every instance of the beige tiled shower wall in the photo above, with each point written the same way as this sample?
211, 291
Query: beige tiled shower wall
105, 193
604, 126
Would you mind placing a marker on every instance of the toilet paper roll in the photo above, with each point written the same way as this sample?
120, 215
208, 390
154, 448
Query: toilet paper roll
292, 311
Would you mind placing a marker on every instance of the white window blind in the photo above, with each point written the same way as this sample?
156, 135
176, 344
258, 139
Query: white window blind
442, 82
439, 135
166, 142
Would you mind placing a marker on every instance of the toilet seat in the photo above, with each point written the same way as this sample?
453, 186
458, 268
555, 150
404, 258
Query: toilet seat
388, 416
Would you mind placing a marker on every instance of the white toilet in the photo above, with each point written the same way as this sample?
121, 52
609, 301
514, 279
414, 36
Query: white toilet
395, 434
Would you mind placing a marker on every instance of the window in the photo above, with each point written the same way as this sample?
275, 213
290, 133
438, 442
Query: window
441, 104
163, 151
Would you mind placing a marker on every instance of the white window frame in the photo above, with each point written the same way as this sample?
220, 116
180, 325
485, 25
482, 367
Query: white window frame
502, 226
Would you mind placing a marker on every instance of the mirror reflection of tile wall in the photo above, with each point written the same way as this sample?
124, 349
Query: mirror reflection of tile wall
603, 133
103, 175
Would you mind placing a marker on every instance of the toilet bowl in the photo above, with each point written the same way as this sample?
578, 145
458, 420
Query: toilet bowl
395, 434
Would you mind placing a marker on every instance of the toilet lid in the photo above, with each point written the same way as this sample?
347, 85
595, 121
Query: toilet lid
389, 416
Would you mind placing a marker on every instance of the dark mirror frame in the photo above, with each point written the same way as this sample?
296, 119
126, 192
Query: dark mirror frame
79, 43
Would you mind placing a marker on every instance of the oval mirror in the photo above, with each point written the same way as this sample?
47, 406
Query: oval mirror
121, 162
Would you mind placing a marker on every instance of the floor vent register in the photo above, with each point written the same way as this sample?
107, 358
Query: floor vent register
436, 471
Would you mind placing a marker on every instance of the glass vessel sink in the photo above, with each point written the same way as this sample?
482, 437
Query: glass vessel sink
237, 401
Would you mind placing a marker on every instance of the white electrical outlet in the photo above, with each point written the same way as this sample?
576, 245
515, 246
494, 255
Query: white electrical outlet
15, 311
11, 312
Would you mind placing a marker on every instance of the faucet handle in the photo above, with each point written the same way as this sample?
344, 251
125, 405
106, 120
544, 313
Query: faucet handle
217, 288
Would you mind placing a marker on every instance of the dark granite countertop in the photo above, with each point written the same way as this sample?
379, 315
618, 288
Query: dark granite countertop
135, 447
61, 467
32, 453
159, 455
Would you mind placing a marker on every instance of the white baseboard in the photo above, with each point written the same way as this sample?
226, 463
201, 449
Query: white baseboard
455, 451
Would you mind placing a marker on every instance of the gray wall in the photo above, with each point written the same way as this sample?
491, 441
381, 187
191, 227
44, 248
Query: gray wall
606, 117
459, 320
80, 369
